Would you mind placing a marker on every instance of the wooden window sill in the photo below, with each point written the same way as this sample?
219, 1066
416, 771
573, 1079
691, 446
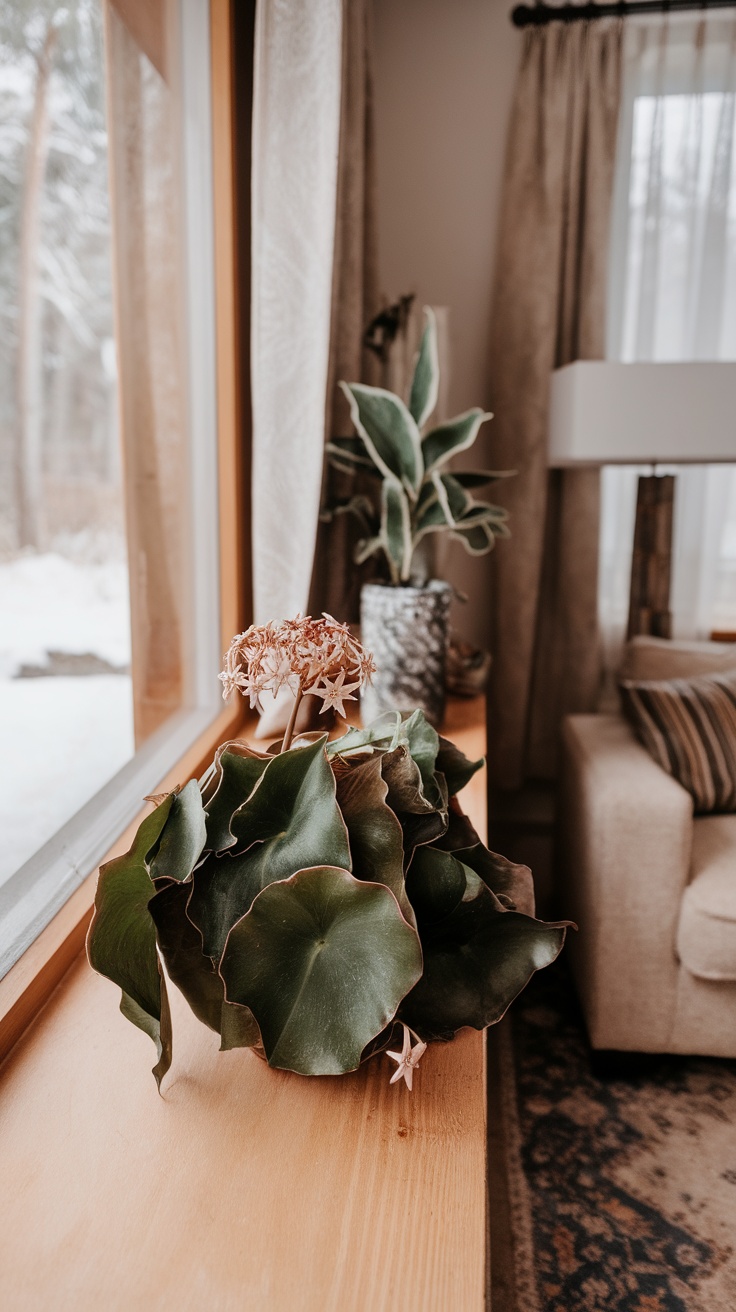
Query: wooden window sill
242, 1187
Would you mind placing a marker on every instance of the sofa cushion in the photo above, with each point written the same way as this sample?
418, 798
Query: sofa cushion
706, 931
689, 727
663, 658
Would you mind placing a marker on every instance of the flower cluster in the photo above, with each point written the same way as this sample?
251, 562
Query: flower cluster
319, 656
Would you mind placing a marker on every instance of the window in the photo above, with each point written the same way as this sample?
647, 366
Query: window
673, 293
109, 586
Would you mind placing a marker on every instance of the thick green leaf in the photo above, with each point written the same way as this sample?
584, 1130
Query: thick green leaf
181, 948
404, 781
376, 840
504, 878
423, 743
389, 432
455, 766
183, 836
157, 1029
121, 943
420, 819
476, 961
239, 769
396, 529
382, 733
426, 379
290, 821
323, 961
456, 435
459, 833
435, 884
239, 1028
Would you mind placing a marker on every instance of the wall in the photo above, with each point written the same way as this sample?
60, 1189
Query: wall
444, 74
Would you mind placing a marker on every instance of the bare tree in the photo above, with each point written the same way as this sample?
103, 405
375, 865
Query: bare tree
28, 453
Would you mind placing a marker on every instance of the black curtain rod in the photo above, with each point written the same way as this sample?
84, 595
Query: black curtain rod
538, 15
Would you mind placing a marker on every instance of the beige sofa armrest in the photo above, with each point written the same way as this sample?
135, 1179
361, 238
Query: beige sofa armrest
626, 840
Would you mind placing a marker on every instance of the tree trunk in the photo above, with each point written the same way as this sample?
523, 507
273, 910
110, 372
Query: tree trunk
28, 453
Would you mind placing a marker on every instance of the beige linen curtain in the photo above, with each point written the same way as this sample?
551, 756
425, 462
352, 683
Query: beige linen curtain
335, 579
296, 126
549, 309
145, 189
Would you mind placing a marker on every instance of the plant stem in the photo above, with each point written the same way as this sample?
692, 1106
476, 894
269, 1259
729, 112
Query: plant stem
286, 744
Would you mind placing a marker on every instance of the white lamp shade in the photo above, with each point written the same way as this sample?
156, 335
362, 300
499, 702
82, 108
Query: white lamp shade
606, 413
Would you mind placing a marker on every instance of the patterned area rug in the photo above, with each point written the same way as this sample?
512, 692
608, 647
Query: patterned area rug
614, 1190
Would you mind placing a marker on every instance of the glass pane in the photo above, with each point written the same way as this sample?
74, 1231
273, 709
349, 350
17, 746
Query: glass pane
66, 704
93, 423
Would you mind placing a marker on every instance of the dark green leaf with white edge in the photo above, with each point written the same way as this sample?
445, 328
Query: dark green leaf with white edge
121, 943
360, 506
426, 379
183, 836
456, 500
349, 453
366, 548
290, 821
396, 528
479, 538
482, 512
448, 439
472, 478
390, 433
322, 960
240, 770
376, 839
477, 960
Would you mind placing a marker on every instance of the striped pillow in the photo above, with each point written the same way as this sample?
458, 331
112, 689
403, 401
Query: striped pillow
689, 727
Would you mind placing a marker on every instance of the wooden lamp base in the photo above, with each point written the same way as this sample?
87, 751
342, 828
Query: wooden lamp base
651, 563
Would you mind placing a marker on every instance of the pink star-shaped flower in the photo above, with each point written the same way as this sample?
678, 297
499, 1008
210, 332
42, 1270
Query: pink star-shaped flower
335, 691
408, 1059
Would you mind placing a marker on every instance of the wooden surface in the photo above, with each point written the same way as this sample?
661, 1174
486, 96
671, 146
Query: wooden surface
242, 1187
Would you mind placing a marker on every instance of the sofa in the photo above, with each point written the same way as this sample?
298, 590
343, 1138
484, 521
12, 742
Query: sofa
651, 886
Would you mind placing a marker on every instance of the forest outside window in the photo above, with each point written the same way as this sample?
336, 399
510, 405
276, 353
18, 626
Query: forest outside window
109, 585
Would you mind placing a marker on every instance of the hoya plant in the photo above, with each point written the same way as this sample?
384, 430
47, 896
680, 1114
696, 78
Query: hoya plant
417, 493
325, 900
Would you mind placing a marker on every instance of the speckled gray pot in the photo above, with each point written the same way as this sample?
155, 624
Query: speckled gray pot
406, 630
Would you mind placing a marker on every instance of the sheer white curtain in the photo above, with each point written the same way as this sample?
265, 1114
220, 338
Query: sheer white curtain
296, 130
673, 292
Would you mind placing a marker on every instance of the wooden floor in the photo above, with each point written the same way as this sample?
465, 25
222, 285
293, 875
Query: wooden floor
242, 1187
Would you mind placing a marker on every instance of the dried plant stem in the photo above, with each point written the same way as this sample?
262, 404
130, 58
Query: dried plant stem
286, 744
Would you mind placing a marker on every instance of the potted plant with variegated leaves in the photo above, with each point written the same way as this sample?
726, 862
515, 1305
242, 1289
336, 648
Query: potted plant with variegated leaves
321, 903
405, 620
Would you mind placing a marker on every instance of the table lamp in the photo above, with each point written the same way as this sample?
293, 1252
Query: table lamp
608, 413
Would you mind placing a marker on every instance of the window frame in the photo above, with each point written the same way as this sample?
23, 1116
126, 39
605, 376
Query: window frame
181, 748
